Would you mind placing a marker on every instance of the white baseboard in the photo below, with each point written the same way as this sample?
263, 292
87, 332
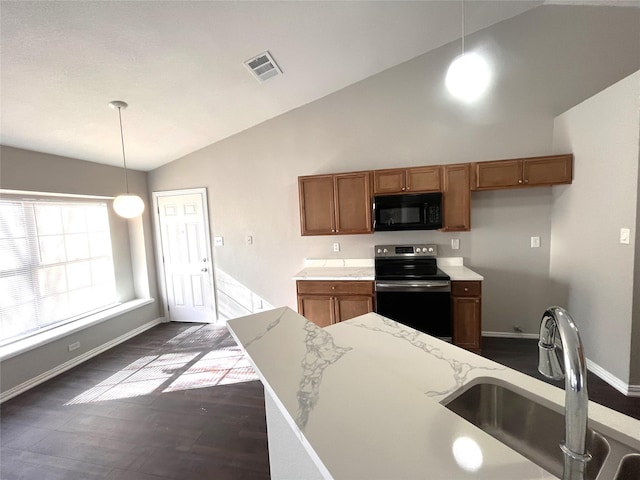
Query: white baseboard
620, 385
43, 377
509, 335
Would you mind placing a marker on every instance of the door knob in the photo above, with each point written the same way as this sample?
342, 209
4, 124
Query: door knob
204, 269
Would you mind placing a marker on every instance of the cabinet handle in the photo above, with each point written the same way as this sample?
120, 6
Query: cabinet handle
519, 181
477, 301
333, 287
466, 289
403, 189
526, 181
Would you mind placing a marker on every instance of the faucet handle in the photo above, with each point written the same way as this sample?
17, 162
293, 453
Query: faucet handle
548, 361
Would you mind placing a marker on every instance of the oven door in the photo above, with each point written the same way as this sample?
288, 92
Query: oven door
423, 305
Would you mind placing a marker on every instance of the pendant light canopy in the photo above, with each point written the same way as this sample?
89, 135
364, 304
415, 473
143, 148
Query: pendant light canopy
126, 205
469, 75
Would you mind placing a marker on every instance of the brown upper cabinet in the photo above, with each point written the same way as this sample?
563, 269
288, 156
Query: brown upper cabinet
524, 172
456, 201
407, 180
335, 204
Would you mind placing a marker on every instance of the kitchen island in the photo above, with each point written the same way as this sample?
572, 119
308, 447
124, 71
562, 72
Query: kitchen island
363, 399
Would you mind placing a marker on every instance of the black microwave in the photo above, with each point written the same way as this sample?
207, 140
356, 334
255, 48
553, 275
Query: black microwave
414, 211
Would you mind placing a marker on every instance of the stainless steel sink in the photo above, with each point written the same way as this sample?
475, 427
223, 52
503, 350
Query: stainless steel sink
629, 468
524, 423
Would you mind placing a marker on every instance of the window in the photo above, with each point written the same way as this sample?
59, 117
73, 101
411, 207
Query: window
56, 263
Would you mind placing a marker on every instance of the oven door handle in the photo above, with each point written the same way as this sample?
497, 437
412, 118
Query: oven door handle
414, 286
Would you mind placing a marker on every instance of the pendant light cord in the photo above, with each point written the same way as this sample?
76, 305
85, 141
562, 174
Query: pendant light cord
463, 27
124, 158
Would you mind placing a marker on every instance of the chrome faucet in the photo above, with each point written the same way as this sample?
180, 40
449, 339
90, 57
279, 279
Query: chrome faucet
557, 322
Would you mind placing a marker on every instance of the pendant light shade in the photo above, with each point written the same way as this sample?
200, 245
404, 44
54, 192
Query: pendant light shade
126, 205
469, 75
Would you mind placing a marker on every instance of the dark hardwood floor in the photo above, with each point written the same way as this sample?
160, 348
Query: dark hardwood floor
177, 401
172, 403
522, 355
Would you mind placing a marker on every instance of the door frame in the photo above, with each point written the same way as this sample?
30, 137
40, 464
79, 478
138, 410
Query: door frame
162, 282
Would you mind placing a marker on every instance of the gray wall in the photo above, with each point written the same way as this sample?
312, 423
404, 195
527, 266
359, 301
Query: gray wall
39, 172
586, 255
546, 61
634, 374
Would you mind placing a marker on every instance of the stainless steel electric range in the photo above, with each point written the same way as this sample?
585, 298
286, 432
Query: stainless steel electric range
411, 289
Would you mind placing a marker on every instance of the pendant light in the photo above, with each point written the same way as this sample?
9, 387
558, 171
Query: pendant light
469, 75
126, 205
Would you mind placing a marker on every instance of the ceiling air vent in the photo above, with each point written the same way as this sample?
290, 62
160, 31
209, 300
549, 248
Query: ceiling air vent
263, 66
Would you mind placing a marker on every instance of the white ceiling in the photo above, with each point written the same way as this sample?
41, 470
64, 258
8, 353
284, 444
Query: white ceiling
179, 65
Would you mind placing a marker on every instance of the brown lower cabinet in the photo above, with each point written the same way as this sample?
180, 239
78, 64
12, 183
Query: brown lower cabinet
327, 302
466, 310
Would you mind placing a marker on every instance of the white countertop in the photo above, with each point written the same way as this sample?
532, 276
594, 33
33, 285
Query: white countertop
336, 269
364, 397
362, 269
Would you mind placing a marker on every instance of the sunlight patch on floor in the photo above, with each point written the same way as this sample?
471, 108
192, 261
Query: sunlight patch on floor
172, 372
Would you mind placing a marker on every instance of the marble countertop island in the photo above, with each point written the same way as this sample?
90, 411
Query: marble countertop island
365, 399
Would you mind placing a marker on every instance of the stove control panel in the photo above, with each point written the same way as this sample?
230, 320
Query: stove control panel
422, 250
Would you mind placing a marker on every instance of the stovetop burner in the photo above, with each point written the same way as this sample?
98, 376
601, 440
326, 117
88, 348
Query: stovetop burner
407, 262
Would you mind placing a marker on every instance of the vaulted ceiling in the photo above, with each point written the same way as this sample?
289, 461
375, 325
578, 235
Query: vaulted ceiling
180, 67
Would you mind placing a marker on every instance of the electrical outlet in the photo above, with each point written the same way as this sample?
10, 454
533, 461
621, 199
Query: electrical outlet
625, 234
218, 241
249, 240
336, 247
535, 242
455, 243
74, 346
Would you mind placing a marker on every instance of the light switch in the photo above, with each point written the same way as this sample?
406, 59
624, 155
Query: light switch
249, 240
625, 234
455, 243
535, 242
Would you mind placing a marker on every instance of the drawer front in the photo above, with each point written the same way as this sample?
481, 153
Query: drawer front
347, 287
466, 289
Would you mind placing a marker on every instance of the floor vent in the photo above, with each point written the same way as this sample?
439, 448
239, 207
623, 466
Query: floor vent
263, 66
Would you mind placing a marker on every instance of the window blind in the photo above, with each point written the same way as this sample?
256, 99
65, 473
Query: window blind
56, 263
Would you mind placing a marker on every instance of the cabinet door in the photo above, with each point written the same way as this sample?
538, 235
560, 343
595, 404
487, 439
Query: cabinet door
318, 309
423, 179
456, 198
548, 170
352, 306
466, 322
495, 175
389, 181
353, 203
317, 209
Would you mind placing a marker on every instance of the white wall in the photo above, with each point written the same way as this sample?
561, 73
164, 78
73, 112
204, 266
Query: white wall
586, 256
403, 117
134, 267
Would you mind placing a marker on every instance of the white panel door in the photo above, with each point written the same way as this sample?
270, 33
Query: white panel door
188, 270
